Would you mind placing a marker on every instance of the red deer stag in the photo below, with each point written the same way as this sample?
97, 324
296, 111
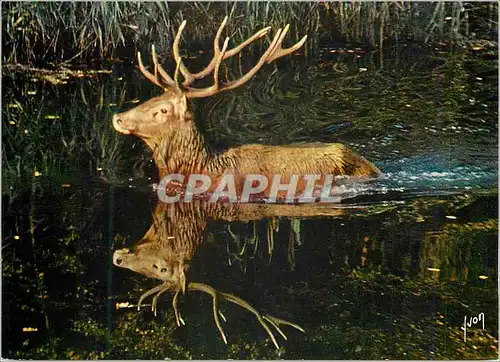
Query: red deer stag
166, 125
165, 251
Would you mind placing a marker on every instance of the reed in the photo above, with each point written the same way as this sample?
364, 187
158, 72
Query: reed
63, 31
51, 138
376, 22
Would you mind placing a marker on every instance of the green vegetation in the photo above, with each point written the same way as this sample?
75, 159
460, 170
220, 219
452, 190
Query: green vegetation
73, 128
63, 31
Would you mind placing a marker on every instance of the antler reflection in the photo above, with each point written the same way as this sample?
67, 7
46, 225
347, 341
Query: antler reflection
172, 240
264, 319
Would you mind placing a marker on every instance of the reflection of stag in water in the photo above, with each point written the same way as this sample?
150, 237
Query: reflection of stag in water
168, 246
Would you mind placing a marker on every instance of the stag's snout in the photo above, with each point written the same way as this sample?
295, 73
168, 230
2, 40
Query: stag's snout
123, 125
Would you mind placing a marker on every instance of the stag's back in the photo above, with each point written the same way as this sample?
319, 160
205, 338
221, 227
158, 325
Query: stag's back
301, 159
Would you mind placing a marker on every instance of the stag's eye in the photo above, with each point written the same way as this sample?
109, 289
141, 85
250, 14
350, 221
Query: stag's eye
155, 266
164, 111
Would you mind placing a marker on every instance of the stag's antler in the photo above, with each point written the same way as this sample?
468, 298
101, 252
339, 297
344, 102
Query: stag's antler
275, 322
273, 52
216, 296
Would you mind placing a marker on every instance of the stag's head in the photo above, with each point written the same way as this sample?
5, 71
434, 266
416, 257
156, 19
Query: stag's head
147, 259
166, 249
160, 116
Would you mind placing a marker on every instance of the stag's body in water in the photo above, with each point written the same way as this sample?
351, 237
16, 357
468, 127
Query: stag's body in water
166, 125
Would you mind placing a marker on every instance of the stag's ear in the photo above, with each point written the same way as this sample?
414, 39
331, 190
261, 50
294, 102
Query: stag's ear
183, 107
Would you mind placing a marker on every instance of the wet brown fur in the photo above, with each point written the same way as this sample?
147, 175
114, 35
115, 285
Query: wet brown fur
178, 147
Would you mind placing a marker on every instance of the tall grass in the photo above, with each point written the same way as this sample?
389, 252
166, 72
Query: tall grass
62, 31
376, 22
54, 134
86, 30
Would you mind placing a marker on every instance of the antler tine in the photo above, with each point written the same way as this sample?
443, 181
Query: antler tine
178, 317
215, 294
254, 37
158, 68
147, 74
197, 93
187, 75
217, 64
176, 73
159, 288
275, 322
210, 67
154, 309
279, 51
244, 304
214, 88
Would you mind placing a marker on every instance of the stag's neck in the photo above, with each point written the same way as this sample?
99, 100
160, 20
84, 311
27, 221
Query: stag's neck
185, 152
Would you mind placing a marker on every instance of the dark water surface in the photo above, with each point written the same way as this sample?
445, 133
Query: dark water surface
390, 272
